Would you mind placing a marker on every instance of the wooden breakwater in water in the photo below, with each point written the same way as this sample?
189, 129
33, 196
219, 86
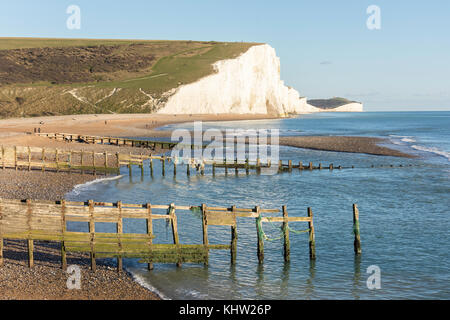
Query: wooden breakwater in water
36, 158
47, 221
137, 143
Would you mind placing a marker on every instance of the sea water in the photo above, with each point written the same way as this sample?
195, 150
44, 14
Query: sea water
404, 215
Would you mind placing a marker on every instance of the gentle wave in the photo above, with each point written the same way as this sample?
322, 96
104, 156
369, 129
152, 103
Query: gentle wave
79, 187
407, 139
432, 150
144, 283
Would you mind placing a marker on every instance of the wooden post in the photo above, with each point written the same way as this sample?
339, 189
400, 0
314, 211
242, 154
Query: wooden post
287, 248
15, 157
320, 166
29, 158
57, 159
290, 165
142, 168
331, 166
150, 232
176, 239
236, 171
43, 159
357, 242
311, 166
280, 166
118, 162
312, 237
1, 238
247, 166
1, 249
106, 160
163, 164
234, 237
205, 233
259, 232
258, 165
82, 158
188, 169
151, 167
92, 233
300, 165
214, 169
226, 168
3, 157
64, 229
93, 160
119, 233
174, 168
30, 241
130, 169
70, 160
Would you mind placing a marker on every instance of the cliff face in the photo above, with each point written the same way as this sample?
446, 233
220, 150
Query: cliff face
244, 79
249, 84
350, 107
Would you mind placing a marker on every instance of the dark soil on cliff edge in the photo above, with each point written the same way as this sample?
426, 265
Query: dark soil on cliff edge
72, 64
332, 103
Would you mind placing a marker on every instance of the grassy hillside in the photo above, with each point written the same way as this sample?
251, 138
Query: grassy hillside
72, 76
330, 103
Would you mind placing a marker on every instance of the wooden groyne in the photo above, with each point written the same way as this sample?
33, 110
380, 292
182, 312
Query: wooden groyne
35, 158
69, 137
47, 221
47, 159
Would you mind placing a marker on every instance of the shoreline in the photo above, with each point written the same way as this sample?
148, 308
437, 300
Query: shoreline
14, 131
54, 186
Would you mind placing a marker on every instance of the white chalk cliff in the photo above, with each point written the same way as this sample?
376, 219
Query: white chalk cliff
249, 84
349, 107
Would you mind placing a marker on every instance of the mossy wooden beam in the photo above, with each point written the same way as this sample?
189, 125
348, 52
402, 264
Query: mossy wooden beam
357, 241
234, 237
259, 232
285, 227
312, 236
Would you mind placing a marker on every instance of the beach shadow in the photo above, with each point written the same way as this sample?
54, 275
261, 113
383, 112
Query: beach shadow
45, 253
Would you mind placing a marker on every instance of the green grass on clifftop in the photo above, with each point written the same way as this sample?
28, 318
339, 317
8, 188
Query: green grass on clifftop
71, 76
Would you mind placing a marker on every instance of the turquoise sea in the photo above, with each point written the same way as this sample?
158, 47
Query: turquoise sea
404, 215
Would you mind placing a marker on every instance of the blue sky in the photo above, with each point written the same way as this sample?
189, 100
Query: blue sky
325, 47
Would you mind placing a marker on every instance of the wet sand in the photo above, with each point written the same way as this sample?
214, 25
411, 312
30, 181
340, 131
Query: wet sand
365, 145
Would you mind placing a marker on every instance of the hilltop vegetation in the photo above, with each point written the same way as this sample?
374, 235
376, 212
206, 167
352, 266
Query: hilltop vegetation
330, 103
73, 76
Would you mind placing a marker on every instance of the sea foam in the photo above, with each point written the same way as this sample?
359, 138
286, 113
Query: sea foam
433, 150
79, 187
